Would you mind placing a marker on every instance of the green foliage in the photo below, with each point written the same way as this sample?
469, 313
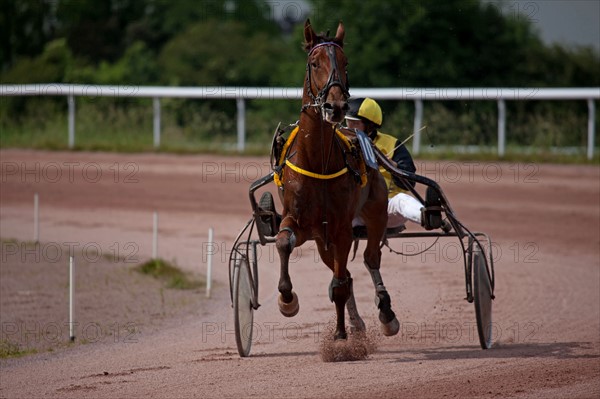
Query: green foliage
545, 124
393, 43
52, 65
222, 54
470, 124
10, 349
447, 44
41, 124
137, 67
171, 274
225, 42
25, 29
94, 30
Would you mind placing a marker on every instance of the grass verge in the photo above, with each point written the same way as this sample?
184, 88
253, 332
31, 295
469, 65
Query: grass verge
10, 349
170, 274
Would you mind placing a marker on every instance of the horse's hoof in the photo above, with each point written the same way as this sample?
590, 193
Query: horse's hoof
340, 336
390, 328
289, 309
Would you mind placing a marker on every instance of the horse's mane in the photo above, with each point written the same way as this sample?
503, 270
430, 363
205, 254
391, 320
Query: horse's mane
323, 38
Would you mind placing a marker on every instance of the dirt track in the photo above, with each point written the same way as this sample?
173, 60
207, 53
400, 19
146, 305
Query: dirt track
544, 220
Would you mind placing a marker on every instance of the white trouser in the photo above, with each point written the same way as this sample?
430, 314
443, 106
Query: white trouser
401, 208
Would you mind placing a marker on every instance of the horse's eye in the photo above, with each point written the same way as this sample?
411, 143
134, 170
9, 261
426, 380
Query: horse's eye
314, 65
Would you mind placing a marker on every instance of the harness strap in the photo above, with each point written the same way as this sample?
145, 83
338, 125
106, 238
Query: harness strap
315, 175
283, 161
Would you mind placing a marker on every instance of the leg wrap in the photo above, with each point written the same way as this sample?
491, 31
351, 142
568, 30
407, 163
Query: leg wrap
384, 304
335, 283
376, 277
292, 239
382, 298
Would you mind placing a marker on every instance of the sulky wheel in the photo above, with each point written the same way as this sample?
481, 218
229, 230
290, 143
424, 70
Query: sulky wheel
243, 312
482, 297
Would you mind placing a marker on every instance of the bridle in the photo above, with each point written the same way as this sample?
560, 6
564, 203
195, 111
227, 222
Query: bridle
334, 79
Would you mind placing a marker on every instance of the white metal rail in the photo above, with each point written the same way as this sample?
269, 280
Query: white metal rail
240, 94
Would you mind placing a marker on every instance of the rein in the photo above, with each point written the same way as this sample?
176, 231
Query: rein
332, 80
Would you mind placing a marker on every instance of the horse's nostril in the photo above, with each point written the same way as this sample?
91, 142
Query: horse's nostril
345, 107
328, 106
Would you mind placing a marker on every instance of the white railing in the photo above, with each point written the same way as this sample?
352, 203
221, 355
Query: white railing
240, 94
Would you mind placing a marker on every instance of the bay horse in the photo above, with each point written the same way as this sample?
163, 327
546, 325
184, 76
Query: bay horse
321, 191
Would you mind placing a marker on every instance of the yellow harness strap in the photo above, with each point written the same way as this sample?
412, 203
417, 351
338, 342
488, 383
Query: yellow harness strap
315, 175
282, 160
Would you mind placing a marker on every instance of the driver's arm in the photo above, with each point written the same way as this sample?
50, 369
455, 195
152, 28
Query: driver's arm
404, 160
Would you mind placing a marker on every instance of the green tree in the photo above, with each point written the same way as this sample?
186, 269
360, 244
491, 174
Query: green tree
26, 26
94, 29
219, 53
49, 67
451, 43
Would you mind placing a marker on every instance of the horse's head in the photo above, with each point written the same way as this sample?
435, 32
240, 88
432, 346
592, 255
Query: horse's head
326, 78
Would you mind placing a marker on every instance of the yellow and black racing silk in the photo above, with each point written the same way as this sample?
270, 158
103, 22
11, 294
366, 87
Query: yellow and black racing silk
400, 155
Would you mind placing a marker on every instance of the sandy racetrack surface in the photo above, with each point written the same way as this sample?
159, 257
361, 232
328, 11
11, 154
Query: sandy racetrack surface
544, 220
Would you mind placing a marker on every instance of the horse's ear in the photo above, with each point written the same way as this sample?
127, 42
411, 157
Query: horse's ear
310, 37
339, 35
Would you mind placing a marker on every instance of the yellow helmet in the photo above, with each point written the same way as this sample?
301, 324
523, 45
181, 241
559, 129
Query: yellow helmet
364, 108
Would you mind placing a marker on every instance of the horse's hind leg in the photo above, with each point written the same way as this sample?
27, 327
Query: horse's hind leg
387, 317
288, 300
389, 323
356, 322
376, 224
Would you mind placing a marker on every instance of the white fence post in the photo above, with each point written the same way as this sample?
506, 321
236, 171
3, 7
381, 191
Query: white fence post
156, 107
36, 217
71, 298
241, 124
416, 147
209, 263
71, 102
155, 236
591, 128
501, 128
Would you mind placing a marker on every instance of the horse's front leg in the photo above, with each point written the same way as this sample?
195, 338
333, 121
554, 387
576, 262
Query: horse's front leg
339, 295
336, 258
285, 243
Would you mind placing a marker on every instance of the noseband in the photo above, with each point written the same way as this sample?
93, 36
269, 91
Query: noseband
334, 79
